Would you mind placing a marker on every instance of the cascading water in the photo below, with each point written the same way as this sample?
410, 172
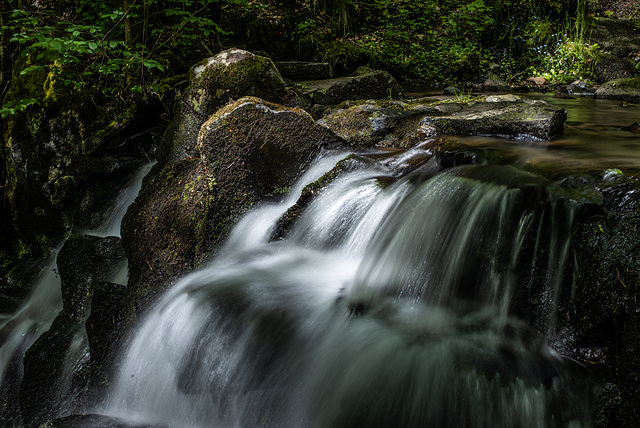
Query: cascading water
19, 330
384, 305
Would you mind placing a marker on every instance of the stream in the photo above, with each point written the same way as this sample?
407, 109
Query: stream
391, 301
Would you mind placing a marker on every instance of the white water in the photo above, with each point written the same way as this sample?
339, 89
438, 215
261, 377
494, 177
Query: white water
35, 316
384, 306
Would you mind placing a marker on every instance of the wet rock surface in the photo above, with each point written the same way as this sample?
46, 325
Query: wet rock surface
214, 82
83, 262
621, 89
364, 84
54, 373
404, 124
250, 151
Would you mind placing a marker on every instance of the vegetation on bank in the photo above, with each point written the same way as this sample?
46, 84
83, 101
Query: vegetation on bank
116, 51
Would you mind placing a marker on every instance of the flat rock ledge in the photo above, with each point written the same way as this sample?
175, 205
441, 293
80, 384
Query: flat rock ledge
403, 124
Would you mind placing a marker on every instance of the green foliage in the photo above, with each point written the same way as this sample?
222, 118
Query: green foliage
90, 50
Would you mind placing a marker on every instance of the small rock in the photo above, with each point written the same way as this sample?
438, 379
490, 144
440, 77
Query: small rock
452, 90
537, 80
495, 84
633, 128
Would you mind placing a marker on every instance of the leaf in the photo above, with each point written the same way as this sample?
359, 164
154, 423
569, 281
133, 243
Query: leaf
93, 46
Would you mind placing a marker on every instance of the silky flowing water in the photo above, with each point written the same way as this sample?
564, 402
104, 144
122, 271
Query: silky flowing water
19, 330
389, 302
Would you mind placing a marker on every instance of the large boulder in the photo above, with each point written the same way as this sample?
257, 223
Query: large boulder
368, 124
365, 83
251, 150
603, 320
214, 82
622, 89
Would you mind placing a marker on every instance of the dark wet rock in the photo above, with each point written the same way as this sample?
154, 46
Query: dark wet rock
96, 421
523, 119
364, 84
622, 89
452, 90
619, 37
450, 152
608, 67
250, 151
304, 70
214, 82
495, 84
55, 372
604, 315
83, 262
633, 128
111, 315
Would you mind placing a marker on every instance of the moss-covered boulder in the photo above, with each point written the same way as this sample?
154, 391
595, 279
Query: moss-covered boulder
369, 124
250, 151
215, 81
622, 89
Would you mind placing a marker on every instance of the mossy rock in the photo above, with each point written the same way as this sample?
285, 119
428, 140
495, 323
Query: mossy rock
164, 230
249, 149
214, 82
604, 318
367, 125
622, 89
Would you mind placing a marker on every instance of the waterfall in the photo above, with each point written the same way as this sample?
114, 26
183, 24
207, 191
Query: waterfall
388, 303
20, 330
